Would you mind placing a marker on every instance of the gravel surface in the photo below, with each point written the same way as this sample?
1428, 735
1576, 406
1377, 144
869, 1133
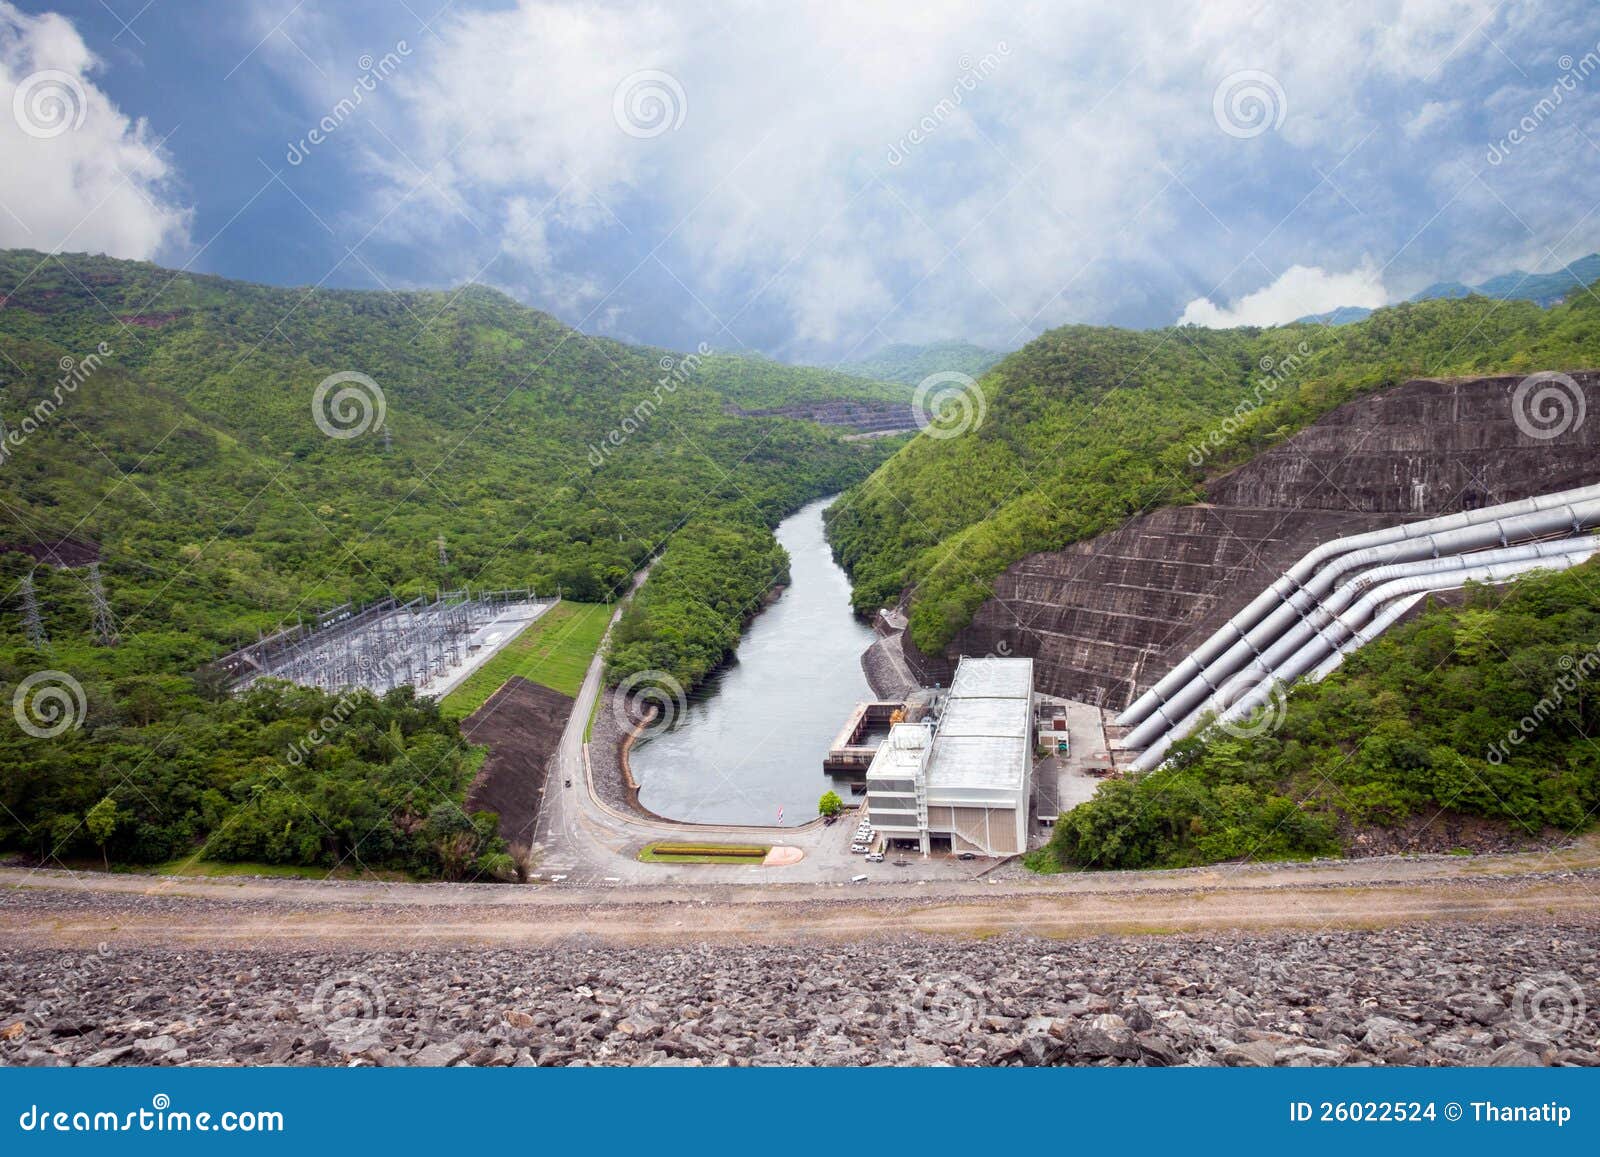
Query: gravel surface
1502, 994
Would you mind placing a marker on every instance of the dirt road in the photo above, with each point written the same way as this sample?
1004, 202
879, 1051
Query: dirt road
57, 908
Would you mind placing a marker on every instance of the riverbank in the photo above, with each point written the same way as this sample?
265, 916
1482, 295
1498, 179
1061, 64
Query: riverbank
609, 742
746, 746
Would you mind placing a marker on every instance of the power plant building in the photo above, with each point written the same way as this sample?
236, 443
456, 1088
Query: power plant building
966, 778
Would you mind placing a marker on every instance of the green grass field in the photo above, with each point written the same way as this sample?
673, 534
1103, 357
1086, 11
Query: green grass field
661, 852
555, 652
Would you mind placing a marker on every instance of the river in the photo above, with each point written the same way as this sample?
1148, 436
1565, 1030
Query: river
754, 734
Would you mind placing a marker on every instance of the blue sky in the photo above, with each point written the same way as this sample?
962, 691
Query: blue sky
813, 180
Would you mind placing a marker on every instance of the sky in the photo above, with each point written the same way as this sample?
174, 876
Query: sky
812, 181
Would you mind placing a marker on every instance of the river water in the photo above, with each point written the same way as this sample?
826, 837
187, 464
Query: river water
753, 737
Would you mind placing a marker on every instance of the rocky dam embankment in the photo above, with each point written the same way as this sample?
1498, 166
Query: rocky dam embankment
1508, 993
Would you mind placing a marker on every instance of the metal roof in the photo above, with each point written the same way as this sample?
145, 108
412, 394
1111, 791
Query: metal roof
977, 762
985, 717
900, 754
993, 678
985, 733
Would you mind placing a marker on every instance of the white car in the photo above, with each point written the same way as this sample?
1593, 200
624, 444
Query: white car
875, 857
858, 849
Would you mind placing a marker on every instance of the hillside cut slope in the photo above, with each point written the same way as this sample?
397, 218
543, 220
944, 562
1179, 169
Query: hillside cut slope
1086, 428
1106, 618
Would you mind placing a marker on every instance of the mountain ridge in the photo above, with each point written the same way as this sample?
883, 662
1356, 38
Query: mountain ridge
1543, 289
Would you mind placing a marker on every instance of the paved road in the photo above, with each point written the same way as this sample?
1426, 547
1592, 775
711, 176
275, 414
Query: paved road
584, 841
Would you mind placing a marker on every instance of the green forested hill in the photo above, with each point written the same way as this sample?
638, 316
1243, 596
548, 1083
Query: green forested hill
754, 382
910, 364
167, 419
1087, 426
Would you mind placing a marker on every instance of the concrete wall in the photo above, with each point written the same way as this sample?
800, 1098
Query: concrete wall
1106, 618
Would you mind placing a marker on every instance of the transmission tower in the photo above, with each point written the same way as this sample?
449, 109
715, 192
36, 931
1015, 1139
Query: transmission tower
105, 631
444, 555
388, 439
31, 621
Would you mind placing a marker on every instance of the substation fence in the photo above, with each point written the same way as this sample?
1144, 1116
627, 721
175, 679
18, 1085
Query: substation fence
380, 646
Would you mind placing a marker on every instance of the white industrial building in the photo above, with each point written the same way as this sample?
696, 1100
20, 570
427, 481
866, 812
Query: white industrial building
966, 778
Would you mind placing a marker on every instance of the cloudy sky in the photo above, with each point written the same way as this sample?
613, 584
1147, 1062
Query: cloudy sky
812, 180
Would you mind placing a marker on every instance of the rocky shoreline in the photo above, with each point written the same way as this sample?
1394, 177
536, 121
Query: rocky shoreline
606, 739
1500, 994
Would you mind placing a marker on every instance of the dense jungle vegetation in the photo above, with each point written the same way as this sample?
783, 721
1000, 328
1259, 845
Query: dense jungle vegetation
166, 421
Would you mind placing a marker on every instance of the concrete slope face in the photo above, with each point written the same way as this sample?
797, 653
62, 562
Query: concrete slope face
1309, 635
1105, 620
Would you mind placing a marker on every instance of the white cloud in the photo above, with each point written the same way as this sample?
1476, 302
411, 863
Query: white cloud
79, 174
1429, 116
1082, 175
1298, 291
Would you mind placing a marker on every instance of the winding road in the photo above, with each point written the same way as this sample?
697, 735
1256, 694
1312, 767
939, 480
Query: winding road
583, 840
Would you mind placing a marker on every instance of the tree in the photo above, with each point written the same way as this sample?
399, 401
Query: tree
101, 820
830, 804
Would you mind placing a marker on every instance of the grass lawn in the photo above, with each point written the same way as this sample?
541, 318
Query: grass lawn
555, 652
741, 854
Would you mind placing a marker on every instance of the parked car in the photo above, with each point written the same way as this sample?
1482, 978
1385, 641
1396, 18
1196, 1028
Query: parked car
967, 856
862, 879
569, 783
874, 857
858, 849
